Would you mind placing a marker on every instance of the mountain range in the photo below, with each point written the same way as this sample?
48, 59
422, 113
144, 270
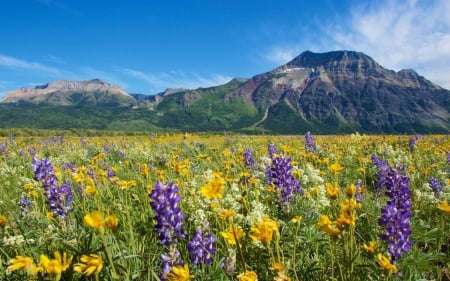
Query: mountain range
327, 93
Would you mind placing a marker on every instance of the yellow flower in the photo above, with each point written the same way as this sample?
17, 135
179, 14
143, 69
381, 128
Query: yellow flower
346, 219
296, 219
94, 219
277, 267
111, 221
90, 189
444, 207
213, 189
248, 276
25, 263
370, 248
89, 264
332, 190
350, 190
225, 214
232, 234
3, 221
327, 226
263, 231
179, 273
55, 266
336, 167
386, 264
350, 205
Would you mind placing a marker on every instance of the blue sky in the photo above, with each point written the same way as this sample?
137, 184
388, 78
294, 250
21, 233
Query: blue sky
147, 46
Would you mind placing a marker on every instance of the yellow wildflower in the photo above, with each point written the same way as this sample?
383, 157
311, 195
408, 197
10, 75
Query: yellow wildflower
54, 267
248, 276
111, 221
179, 273
263, 231
296, 219
225, 214
350, 190
370, 248
336, 168
90, 264
350, 204
385, 263
444, 207
25, 263
3, 221
232, 234
90, 189
94, 219
346, 219
213, 189
327, 226
332, 190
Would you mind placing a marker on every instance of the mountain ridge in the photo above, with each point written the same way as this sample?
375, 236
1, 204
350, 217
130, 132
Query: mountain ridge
337, 91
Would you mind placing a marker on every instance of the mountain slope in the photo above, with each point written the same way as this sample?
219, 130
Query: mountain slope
334, 92
70, 93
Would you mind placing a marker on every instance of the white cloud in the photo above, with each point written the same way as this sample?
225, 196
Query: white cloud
174, 79
401, 34
14, 63
281, 56
398, 34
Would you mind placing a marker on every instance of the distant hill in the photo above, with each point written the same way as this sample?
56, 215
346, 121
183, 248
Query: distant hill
70, 93
334, 92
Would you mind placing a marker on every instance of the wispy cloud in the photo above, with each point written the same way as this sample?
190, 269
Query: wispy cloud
398, 34
401, 34
174, 79
15, 63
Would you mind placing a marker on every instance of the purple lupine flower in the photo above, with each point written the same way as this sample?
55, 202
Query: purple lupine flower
279, 174
310, 144
448, 157
3, 149
83, 141
169, 219
25, 204
22, 153
382, 171
32, 152
43, 170
59, 198
272, 149
395, 216
170, 259
201, 247
249, 161
412, 142
435, 185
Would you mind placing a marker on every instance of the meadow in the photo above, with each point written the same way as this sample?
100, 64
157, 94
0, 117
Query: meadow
225, 207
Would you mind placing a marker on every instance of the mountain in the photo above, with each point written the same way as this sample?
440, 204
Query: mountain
346, 91
333, 92
69, 93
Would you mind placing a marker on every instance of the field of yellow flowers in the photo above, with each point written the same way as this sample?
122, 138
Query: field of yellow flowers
225, 207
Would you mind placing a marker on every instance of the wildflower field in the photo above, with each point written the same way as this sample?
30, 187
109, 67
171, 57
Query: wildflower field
225, 207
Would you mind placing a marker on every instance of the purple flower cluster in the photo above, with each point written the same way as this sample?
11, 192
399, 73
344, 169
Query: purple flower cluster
435, 185
3, 149
59, 198
249, 161
272, 149
25, 204
396, 215
310, 144
201, 247
279, 174
382, 171
169, 219
169, 222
